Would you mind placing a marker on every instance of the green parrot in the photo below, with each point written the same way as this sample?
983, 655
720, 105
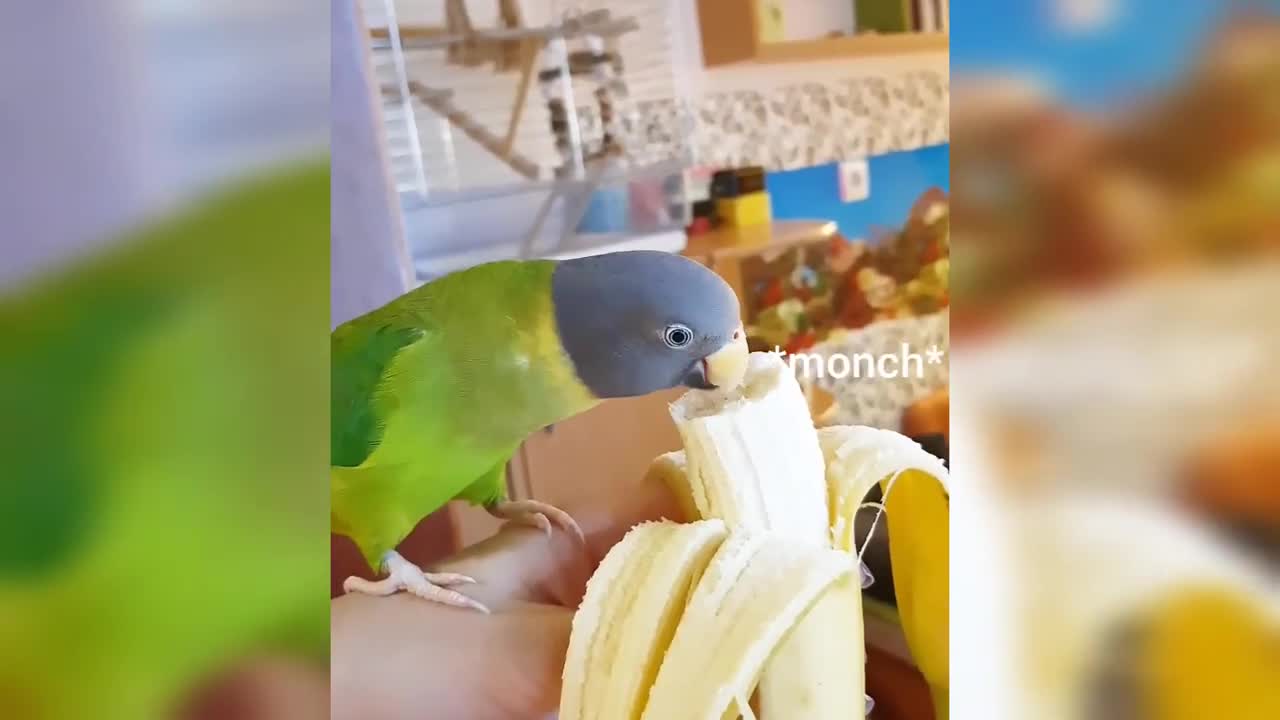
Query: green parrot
432, 393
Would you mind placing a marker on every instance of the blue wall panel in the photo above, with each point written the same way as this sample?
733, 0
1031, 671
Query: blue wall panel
897, 181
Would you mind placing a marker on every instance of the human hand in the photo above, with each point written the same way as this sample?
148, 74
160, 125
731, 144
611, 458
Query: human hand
400, 657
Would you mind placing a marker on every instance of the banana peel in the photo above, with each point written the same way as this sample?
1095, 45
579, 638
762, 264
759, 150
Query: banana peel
917, 510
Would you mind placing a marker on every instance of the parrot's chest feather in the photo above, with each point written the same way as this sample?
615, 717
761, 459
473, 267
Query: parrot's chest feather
500, 398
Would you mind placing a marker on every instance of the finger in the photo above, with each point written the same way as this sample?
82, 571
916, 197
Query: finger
263, 688
501, 665
520, 564
609, 513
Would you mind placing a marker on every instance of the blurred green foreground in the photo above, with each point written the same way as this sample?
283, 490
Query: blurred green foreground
161, 519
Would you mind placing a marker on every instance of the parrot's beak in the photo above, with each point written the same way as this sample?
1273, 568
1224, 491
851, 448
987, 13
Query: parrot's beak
723, 368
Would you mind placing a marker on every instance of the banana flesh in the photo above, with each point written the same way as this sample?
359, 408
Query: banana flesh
629, 614
756, 589
752, 455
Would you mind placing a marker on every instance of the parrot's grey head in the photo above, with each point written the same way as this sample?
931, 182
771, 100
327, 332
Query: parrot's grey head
636, 322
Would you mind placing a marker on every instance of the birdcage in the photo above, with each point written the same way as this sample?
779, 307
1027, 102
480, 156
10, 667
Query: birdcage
532, 129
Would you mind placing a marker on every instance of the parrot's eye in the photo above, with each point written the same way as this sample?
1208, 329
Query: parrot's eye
677, 336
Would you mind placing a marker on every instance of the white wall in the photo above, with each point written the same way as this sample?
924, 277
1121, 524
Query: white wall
809, 19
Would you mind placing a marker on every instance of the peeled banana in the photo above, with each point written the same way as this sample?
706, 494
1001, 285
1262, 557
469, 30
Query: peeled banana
754, 591
629, 614
754, 609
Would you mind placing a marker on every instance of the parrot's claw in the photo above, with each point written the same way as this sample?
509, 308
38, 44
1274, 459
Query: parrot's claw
428, 589
404, 575
867, 578
447, 579
539, 515
537, 520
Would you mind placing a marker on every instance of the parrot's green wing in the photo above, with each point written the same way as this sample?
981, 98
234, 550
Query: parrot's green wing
359, 357
377, 501
369, 502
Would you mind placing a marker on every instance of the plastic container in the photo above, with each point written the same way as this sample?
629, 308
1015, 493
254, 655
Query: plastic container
608, 211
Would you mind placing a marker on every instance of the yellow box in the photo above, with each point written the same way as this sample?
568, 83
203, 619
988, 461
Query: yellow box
769, 21
744, 210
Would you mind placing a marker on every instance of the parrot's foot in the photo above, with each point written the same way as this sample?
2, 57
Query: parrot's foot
867, 578
404, 575
537, 514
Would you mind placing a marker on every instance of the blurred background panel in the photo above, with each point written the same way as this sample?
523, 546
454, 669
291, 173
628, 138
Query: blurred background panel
1094, 54
163, 237
52, 154
1117, 220
138, 106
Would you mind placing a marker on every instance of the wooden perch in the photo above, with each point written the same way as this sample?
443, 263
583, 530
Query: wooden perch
465, 45
441, 103
529, 51
436, 94
466, 50
411, 32
512, 52
430, 96
425, 37
508, 47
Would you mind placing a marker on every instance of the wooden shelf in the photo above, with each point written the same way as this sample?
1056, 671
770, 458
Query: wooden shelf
849, 46
769, 239
731, 34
